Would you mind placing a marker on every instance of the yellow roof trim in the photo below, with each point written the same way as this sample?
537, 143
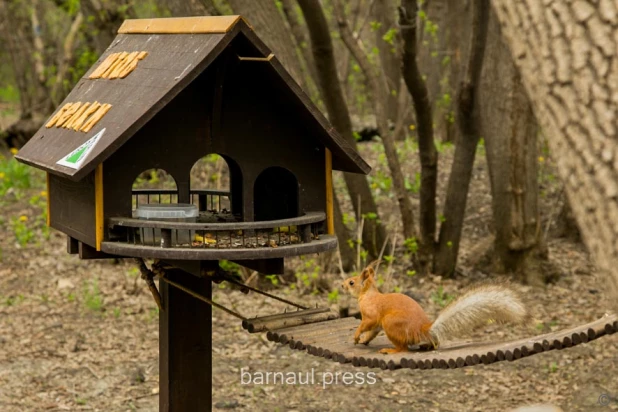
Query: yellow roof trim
180, 25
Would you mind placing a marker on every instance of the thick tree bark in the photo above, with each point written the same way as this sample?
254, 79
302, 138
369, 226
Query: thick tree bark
379, 90
268, 23
566, 52
358, 187
510, 131
468, 120
427, 149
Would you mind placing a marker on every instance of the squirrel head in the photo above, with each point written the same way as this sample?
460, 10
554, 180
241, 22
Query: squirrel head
358, 285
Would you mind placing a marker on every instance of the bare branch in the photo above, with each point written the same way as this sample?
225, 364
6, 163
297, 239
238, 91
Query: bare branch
65, 60
379, 89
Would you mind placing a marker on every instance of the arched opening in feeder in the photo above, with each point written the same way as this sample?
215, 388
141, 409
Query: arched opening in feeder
216, 186
154, 186
275, 195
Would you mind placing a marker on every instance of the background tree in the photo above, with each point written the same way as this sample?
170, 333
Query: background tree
468, 121
373, 234
510, 131
427, 149
566, 54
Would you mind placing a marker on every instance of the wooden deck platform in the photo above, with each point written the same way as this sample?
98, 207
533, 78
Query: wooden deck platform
332, 339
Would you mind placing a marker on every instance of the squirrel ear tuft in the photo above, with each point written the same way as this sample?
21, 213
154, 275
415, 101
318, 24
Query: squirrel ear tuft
367, 273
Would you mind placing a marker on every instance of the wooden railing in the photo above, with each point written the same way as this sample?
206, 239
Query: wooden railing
217, 200
272, 233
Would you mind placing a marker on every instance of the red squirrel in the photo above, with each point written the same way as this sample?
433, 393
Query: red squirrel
405, 322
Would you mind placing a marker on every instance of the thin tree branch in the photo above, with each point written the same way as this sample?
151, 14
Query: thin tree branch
66, 58
379, 89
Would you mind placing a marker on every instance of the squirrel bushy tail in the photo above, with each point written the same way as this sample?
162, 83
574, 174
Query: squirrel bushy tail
483, 303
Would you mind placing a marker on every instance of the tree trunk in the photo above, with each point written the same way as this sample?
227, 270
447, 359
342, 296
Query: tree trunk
566, 54
379, 90
269, 24
389, 60
468, 120
358, 187
300, 36
510, 131
105, 17
427, 149
346, 252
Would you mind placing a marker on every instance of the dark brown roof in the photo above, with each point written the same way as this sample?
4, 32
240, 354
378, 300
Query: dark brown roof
178, 51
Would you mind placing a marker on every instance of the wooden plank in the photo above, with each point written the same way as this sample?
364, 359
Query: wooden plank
180, 25
98, 201
87, 252
75, 218
72, 246
185, 345
296, 318
288, 314
330, 215
297, 332
48, 217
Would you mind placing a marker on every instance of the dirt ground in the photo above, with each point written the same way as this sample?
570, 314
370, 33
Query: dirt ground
83, 335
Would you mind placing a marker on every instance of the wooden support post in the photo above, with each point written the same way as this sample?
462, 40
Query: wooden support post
202, 202
330, 215
305, 233
166, 238
98, 200
185, 345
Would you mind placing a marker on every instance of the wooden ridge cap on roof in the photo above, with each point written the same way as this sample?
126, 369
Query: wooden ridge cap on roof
181, 25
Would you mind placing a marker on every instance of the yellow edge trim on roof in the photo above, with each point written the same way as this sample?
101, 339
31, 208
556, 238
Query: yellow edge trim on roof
181, 25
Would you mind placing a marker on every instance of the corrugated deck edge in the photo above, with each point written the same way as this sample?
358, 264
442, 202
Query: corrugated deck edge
332, 340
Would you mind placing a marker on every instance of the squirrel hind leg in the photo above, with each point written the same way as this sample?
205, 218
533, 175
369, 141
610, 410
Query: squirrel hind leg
398, 349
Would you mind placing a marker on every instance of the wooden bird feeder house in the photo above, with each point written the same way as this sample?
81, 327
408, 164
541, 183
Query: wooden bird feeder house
166, 93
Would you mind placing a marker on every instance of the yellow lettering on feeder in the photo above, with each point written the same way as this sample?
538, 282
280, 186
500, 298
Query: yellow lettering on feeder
68, 113
123, 65
98, 115
109, 60
80, 121
57, 116
76, 115
80, 117
118, 65
115, 64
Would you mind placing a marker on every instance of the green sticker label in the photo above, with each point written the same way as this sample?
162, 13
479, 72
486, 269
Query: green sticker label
76, 158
